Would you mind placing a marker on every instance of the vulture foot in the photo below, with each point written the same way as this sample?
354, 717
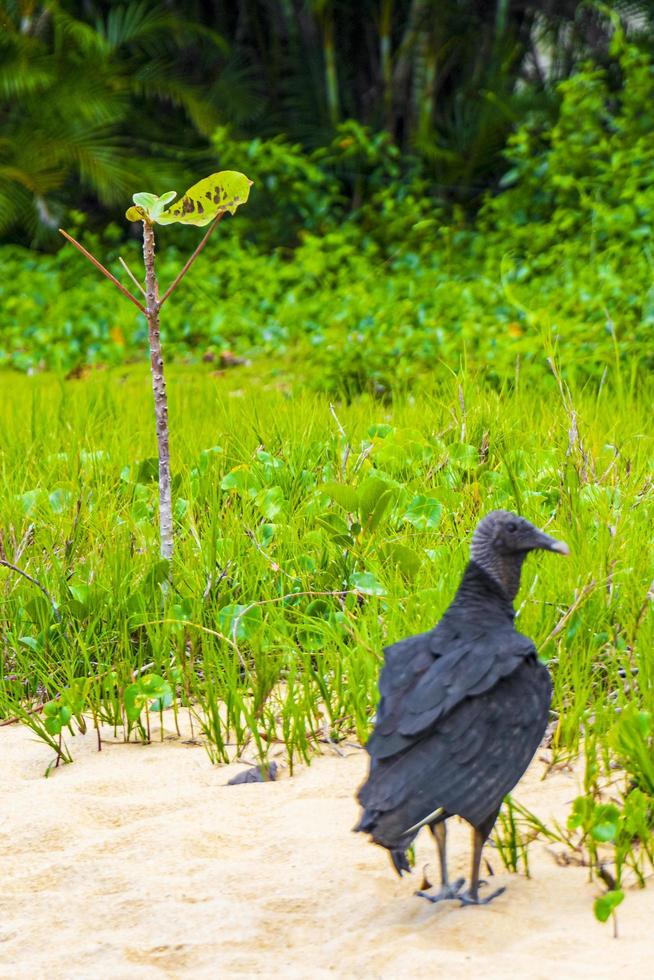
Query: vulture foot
468, 898
447, 892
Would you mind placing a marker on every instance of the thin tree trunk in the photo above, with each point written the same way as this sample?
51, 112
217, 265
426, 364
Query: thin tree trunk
404, 63
425, 86
331, 77
386, 59
159, 390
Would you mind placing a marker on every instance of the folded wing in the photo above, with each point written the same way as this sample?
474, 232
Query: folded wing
456, 728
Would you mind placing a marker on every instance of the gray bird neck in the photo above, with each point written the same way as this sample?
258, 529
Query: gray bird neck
503, 568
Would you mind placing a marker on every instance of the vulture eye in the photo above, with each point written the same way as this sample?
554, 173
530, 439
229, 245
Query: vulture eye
511, 526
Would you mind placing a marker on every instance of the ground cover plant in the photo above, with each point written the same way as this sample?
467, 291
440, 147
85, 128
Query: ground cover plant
308, 536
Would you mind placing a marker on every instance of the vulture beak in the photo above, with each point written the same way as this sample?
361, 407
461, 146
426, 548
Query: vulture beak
551, 544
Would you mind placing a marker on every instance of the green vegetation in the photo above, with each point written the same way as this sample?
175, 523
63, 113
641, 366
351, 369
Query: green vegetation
305, 540
109, 95
395, 290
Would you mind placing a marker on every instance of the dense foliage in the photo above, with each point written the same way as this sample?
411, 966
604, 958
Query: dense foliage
305, 541
387, 289
109, 95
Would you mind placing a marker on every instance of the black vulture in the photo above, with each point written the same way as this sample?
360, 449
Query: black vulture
463, 709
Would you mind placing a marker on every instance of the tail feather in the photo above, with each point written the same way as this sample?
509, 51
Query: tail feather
400, 861
397, 850
367, 823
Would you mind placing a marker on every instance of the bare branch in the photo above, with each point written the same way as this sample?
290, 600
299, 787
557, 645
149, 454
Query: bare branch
189, 262
131, 274
583, 594
649, 598
103, 270
346, 450
273, 564
16, 718
24, 542
19, 571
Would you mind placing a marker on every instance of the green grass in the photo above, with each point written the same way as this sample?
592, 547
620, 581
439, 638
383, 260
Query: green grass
280, 609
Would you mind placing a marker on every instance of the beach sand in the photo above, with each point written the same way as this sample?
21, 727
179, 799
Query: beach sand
139, 862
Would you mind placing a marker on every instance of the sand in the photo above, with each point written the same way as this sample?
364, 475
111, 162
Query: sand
140, 863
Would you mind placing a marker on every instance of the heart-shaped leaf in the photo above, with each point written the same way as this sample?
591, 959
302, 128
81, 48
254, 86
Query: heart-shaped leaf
607, 904
204, 201
239, 622
56, 716
424, 513
367, 583
135, 701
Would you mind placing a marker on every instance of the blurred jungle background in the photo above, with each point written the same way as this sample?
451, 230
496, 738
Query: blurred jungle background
435, 180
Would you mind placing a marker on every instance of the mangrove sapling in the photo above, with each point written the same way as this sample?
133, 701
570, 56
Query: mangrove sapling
203, 204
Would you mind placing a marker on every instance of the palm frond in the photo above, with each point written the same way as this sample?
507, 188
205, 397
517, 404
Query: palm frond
72, 33
131, 22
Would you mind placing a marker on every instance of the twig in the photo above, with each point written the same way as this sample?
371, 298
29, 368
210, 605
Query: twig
131, 274
528, 596
273, 564
643, 609
346, 450
19, 571
606, 876
616, 453
17, 718
337, 420
587, 589
210, 582
178, 278
574, 439
105, 272
24, 541
362, 457
70, 541
462, 403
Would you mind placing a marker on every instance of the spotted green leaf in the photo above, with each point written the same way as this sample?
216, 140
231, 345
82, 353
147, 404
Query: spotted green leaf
208, 198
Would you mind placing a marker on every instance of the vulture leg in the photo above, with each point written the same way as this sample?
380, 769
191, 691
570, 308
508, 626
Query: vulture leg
447, 890
479, 837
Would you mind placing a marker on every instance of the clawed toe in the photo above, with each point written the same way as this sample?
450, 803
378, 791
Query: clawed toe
467, 898
447, 892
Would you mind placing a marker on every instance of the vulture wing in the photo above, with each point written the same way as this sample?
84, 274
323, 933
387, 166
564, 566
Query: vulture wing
456, 730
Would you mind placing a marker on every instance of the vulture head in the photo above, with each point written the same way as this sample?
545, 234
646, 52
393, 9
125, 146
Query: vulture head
502, 541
